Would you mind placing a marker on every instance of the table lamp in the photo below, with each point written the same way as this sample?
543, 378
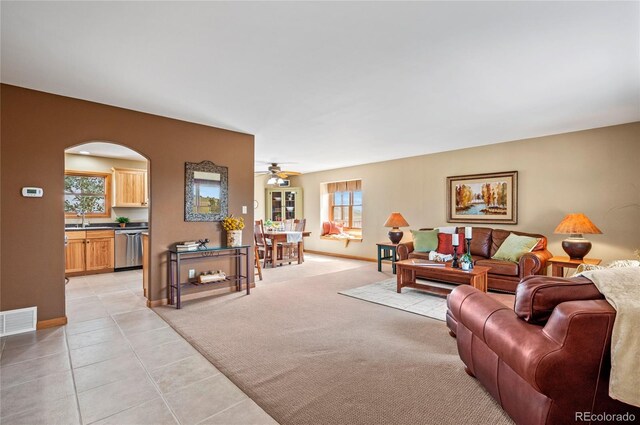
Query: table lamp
575, 225
395, 221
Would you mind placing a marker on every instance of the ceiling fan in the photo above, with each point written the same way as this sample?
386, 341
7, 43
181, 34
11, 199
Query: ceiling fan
276, 175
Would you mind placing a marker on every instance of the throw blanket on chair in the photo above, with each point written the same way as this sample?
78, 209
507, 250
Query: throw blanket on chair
621, 288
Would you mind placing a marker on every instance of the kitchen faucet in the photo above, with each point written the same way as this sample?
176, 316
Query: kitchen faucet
82, 214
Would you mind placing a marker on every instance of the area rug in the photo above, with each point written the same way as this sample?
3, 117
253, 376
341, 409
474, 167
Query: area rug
308, 355
410, 300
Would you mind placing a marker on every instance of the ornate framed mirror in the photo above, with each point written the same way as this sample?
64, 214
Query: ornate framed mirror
205, 191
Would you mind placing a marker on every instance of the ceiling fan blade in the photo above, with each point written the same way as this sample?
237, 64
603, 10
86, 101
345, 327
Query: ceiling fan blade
291, 173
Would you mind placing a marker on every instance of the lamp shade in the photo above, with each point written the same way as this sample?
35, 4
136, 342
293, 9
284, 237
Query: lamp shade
577, 224
396, 220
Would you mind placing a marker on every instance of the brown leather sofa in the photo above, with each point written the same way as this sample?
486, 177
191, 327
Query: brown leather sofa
549, 360
504, 275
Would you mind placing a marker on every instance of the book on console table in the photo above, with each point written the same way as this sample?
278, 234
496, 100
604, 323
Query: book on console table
187, 246
419, 262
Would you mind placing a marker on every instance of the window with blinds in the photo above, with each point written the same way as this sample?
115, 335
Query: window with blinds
345, 203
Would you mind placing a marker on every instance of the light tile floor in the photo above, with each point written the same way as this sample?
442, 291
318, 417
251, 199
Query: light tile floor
116, 362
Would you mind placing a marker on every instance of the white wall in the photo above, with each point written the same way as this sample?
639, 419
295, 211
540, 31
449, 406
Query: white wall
104, 165
594, 171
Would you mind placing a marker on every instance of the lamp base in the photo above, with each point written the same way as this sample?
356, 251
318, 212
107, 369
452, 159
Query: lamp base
576, 248
395, 235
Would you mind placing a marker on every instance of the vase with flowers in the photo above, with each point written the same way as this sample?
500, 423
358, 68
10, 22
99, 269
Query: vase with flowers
233, 227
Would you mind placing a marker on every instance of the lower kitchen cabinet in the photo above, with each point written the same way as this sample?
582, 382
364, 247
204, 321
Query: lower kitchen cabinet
89, 252
74, 261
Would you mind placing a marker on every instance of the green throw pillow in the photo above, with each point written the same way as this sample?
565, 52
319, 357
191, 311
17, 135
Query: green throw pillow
425, 240
515, 247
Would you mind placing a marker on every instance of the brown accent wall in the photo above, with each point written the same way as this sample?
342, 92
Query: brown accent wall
36, 129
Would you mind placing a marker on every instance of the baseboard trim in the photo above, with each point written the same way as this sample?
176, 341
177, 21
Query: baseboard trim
349, 257
200, 294
51, 323
157, 303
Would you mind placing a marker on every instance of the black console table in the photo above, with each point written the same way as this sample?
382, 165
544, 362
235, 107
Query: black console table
176, 287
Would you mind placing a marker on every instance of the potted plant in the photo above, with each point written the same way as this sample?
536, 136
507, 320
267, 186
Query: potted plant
234, 227
122, 220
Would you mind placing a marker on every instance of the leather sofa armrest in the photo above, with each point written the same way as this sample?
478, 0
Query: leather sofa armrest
473, 308
538, 296
534, 262
559, 326
404, 249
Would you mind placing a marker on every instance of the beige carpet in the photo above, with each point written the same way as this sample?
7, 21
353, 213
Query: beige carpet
308, 355
410, 300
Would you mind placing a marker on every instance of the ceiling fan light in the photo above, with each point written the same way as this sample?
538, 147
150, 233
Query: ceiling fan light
272, 180
280, 180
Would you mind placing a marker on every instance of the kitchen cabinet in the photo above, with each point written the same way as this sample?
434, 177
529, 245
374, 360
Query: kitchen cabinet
284, 203
89, 252
130, 188
74, 261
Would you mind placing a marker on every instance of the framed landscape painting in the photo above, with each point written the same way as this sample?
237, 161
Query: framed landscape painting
483, 198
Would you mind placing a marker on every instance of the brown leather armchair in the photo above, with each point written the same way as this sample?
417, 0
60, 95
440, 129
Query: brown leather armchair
547, 360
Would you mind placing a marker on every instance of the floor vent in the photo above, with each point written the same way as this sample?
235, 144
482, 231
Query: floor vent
18, 321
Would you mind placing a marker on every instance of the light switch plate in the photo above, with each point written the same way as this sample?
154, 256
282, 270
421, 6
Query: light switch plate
244, 209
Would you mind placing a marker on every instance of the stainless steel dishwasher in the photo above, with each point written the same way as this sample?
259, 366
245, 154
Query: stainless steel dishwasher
128, 248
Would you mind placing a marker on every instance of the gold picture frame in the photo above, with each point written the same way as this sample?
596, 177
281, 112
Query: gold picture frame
483, 198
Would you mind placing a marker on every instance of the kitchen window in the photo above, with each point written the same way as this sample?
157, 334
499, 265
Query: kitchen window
88, 193
345, 203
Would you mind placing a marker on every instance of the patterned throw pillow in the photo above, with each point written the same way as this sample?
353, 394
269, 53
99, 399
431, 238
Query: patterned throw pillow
618, 264
623, 263
585, 268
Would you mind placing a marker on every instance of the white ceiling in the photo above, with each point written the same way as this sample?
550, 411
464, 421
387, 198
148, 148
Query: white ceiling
105, 149
326, 84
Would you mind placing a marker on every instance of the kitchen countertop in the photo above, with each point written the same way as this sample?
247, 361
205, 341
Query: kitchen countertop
106, 226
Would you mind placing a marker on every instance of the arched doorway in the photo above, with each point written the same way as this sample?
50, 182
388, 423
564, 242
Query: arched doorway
107, 221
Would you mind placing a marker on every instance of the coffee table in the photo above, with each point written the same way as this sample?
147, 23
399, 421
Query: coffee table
407, 269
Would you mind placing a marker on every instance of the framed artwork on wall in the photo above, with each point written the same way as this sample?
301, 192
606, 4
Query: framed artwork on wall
483, 198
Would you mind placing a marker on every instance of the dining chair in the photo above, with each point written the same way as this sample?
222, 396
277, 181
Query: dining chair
294, 251
300, 227
263, 244
258, 267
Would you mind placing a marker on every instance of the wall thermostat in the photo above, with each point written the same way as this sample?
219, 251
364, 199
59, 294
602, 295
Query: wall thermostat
32, 192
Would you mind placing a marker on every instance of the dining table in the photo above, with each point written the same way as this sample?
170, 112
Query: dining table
283, 237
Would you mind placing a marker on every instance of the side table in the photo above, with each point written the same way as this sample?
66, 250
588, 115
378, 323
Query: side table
558, 264
387, 252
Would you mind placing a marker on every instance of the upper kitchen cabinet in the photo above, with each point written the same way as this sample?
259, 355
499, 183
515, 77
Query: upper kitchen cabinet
130, 188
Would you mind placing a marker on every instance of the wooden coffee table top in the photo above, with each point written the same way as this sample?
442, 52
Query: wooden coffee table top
408, 270
446, 269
